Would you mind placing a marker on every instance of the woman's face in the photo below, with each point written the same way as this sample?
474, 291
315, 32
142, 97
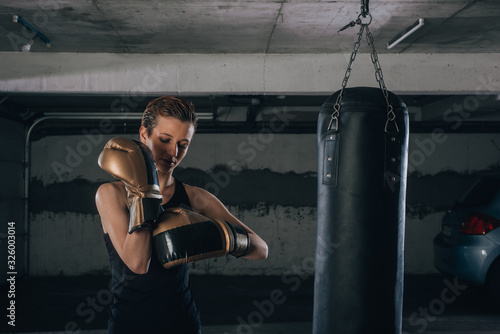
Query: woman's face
169, 142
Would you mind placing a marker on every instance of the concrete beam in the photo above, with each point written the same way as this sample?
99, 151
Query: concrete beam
192, 74
472, 107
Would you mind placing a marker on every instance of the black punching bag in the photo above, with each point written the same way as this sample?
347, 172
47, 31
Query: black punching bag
362, 166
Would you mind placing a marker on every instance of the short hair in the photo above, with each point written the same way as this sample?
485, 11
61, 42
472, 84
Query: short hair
168, 106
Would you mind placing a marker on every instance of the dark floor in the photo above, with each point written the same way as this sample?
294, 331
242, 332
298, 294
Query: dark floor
68, 304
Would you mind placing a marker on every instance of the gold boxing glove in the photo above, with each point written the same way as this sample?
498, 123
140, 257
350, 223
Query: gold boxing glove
131, 162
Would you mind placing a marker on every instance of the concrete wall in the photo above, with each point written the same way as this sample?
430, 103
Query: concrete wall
273, 186
268, 180
11, 198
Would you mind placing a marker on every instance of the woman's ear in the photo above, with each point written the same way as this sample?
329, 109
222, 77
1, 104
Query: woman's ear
143, 133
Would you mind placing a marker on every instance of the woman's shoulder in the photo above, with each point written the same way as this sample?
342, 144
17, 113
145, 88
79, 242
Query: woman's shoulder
194, 190
201, 200
112, 186
110, 190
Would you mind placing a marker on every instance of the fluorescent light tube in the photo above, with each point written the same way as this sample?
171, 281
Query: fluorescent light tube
407, 32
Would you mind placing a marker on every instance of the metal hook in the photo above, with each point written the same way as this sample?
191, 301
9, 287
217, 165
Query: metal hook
331, 122
335, 115
387, 123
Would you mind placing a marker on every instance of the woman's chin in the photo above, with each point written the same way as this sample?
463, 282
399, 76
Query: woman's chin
165, 169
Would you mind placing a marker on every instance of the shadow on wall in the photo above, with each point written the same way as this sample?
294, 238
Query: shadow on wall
249, 188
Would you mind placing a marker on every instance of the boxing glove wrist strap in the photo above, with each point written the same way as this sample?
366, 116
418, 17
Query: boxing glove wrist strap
241, 241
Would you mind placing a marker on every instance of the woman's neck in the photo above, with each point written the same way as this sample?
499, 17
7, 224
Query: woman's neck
165, 179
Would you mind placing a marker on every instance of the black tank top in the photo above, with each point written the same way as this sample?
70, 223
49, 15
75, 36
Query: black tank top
159, 301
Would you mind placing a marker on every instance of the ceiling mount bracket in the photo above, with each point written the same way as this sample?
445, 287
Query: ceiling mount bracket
24, 23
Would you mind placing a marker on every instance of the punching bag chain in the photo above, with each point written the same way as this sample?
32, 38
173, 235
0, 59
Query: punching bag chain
391, 116
365, 8
336, 106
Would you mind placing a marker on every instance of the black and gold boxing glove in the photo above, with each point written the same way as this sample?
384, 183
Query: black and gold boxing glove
131, 162
183, 236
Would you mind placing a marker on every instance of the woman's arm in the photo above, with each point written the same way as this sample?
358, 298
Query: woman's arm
210, 206
134, 249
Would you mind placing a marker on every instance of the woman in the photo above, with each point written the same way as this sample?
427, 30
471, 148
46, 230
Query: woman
147, 297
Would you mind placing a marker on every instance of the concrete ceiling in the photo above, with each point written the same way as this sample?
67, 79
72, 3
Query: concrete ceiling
263, 26
269, 27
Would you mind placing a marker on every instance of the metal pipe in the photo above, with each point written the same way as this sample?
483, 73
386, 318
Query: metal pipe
98, 115
27, 156
65, 116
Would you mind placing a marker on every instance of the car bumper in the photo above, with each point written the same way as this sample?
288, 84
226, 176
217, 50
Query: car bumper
469, 261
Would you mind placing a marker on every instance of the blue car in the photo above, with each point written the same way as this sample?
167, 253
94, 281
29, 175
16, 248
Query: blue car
468, 246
